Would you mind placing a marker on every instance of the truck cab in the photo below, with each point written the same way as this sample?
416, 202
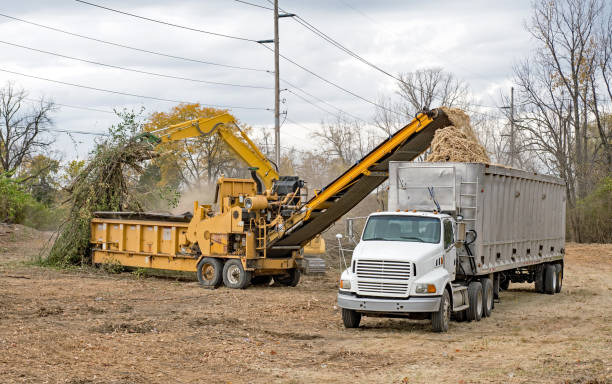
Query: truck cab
404, 264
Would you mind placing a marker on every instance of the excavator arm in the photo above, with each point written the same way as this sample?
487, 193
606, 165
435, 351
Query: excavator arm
221, 124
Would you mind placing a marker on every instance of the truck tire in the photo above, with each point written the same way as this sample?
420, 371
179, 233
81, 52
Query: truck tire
210, 272
539, 279
261, 280
441, 318
290, 279
487, 297
460, 316
350, 318
559, 277
234, 275
550, 279
474, 312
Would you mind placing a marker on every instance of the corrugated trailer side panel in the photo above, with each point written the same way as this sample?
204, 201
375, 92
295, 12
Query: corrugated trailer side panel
521, 219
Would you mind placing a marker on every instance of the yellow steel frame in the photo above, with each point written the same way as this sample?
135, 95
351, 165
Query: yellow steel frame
242, 146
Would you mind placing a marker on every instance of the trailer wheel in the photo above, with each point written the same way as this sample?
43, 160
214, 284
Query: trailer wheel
539, 279
350, 318
290, 279
550, 279
474, 312
559, 268
261, 280
210, 272
234, 275
487, 297
441, 318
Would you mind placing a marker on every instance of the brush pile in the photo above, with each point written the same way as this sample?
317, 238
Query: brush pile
103, 185
457, 142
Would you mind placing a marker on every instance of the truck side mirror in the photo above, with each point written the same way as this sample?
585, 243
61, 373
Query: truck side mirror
349, 228
460, 234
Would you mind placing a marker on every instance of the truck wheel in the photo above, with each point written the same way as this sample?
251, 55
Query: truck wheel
234, 275
441, 318
559, 268
487, 297
550, 279
210, 272
290, 279
474, 312
539, 279
350, 318
261, 280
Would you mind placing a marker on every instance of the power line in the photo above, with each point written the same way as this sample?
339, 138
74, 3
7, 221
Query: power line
133, 70
135, 48
77, 132
313, 104
129, 94
167, 23
72, 106
254, 5
332, 83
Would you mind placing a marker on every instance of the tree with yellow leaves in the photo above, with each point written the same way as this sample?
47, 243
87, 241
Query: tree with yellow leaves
194, 162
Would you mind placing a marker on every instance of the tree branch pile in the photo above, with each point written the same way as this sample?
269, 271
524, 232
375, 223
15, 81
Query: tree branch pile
457, 142
103, 185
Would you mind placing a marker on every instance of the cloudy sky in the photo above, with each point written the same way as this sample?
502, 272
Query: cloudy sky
479, 41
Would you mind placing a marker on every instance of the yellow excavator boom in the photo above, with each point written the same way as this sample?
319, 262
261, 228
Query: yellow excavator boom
221, 124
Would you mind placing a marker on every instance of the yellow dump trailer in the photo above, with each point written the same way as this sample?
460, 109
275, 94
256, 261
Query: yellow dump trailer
146, 241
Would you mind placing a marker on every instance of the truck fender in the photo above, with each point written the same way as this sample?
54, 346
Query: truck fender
439, 277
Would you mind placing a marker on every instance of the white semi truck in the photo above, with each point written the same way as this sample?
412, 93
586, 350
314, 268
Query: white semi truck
454, 236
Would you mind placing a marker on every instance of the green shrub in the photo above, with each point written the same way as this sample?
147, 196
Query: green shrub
594, 214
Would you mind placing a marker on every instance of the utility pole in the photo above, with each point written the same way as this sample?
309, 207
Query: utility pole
512, 130
276, 89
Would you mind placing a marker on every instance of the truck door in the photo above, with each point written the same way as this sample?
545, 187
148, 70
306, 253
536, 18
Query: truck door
450, 253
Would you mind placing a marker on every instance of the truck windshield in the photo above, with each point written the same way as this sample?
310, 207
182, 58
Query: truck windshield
402, 228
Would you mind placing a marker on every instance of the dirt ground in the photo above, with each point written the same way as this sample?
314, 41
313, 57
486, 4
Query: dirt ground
88, 326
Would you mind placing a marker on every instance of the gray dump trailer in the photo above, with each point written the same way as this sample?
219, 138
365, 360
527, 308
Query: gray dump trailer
455, 235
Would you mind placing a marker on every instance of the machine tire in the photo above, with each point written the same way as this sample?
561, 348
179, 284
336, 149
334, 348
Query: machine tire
441, 319
550, 279
559, 268
350, 318
488, 302
539, 279
290, 279
460, 316
234, 275
261, 280
474, 312
210, 272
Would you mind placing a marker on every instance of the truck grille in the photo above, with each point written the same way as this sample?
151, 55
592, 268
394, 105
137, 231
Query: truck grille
373, 276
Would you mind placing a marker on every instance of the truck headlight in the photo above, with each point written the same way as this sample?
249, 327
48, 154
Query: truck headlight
425, 288
345, 284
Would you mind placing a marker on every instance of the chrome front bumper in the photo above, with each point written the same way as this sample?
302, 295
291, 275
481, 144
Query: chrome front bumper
384, 305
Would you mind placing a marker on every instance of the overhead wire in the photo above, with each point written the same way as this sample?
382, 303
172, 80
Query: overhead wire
167, 23
254, 5
136, 48
72, 106
130, 94
134, 70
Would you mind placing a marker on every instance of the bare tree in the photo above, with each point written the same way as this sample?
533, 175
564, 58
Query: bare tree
390, 118
345, 139
430, 87
21, 129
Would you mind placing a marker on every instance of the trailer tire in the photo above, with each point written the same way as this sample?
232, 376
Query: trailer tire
550, 279
559, 268
441, 318
539, 279
261, 280
460, 316
504, 282
210, 272
290, 279
350, 318
474, 312
234, 275
488, 302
